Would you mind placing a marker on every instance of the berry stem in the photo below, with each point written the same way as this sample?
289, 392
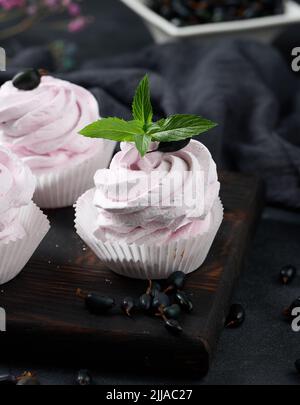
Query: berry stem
169, 289
149, 289
43, 72
29, 374
81, 294
161, 313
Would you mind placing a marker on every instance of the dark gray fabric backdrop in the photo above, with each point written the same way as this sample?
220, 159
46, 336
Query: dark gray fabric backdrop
244, 86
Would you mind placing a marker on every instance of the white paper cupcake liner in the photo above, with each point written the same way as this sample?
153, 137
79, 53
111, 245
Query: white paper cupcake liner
62, 188
146, 261
15, 254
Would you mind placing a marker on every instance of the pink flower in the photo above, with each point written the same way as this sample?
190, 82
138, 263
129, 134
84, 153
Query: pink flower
77, 21
10, 4
78, 24
74, 9
51, 3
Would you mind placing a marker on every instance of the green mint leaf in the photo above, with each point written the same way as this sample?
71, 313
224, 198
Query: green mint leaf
115, 129
141, 107
179, 127
142, 143
141, 130
156, 126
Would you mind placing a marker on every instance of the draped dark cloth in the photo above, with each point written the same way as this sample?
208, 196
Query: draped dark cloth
246, 87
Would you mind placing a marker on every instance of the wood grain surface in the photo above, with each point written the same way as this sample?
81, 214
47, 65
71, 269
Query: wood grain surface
47, 322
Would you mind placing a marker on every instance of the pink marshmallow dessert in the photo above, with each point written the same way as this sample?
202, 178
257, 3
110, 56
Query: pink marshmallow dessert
151, 241
41, 126
156, 209
22, 224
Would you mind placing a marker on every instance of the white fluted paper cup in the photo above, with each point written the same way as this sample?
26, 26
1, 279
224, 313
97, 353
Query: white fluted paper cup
15, 253
146, 261
62, 187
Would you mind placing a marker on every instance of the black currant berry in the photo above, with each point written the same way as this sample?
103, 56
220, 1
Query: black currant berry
176, 281
172, 312
235, 317
173, 326
95, 303
98, 304
174, 146
155, 288
287, 273
127, 305
287, 312
84, 378
160, 300
29, 79
184, 301
297, 365
145, 302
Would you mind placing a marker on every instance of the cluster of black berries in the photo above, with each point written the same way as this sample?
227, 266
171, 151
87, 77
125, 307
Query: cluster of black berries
191, 12
165, 300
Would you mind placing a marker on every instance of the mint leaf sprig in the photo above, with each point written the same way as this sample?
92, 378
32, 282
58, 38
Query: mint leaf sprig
141, 130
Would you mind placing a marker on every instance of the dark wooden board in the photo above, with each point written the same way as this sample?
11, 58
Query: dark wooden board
45, 320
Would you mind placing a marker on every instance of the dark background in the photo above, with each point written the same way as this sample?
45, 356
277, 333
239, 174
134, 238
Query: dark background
264, 348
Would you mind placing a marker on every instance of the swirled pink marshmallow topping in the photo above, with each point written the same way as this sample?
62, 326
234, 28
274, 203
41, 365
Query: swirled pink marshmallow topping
17, 185
41, 125
156, 199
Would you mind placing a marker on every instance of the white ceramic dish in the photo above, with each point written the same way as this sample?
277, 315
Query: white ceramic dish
264, 28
